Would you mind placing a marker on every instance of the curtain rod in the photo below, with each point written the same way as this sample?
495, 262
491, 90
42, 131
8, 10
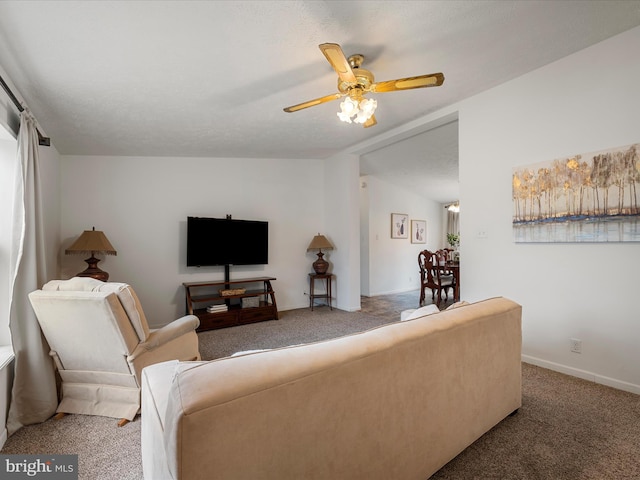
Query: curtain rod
45, 141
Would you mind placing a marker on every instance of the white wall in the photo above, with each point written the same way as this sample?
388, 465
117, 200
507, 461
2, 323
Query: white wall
392, 264
50, 185
142, 205
365, 254
586, 102
341, 214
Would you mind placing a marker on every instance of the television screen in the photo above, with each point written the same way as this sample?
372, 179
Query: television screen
222, 241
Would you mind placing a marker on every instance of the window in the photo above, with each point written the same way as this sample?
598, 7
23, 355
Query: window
8, 161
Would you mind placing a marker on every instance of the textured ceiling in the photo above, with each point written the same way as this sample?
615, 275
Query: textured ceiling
211, 78
426, 164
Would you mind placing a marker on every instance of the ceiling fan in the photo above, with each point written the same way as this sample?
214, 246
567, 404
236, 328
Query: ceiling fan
354, 81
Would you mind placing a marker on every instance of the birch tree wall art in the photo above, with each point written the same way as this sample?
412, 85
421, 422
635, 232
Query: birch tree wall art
589, 197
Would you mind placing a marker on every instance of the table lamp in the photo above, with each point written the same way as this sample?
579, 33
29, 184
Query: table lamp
92, 242
320, 242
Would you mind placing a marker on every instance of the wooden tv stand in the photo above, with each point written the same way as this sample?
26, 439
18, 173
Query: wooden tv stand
199, 295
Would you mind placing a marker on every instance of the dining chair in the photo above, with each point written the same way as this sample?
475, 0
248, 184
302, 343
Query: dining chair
444, 256
433, 275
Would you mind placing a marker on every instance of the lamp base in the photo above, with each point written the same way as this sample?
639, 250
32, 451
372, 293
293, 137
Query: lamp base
320, 266
93, 271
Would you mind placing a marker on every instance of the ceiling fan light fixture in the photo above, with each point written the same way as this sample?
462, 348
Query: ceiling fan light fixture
367, 109
354, 81
358, 111
454, 207
348, 109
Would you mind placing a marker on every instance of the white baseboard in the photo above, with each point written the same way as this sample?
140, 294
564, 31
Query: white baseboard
585, 375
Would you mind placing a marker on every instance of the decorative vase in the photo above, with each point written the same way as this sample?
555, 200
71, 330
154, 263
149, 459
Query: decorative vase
320, 266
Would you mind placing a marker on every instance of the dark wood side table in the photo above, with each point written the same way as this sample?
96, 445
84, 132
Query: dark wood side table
328, 278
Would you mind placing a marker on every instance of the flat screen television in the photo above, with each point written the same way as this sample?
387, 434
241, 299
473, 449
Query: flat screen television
224, 241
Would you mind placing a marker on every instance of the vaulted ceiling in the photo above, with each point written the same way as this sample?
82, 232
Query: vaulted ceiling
211, 78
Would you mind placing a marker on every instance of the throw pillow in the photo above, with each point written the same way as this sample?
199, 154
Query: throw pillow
457, 305
423, 311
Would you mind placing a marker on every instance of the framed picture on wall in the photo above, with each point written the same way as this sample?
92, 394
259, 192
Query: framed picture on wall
399, 225
588, 197
418, 231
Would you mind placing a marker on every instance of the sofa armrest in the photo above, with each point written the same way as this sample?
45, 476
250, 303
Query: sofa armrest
163, 335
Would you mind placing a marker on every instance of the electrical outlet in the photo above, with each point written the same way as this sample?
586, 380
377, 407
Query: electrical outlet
576, 345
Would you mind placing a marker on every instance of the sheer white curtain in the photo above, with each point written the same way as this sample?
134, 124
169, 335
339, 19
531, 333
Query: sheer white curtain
453, 223
34, 395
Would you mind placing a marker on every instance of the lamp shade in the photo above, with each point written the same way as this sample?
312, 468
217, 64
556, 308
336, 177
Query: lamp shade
320, 242
90, 242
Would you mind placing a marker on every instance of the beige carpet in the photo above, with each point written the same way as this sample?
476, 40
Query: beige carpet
567, 428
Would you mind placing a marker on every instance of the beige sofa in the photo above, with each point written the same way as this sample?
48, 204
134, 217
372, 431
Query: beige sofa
395, 402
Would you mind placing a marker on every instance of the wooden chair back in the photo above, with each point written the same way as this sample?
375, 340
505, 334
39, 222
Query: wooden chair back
434, 276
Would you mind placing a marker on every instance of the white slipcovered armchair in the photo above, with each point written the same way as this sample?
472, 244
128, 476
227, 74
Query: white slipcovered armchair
100, 342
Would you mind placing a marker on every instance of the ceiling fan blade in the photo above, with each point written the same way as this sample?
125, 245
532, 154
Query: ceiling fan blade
371, 122
422, 81
338, 61
313, 103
